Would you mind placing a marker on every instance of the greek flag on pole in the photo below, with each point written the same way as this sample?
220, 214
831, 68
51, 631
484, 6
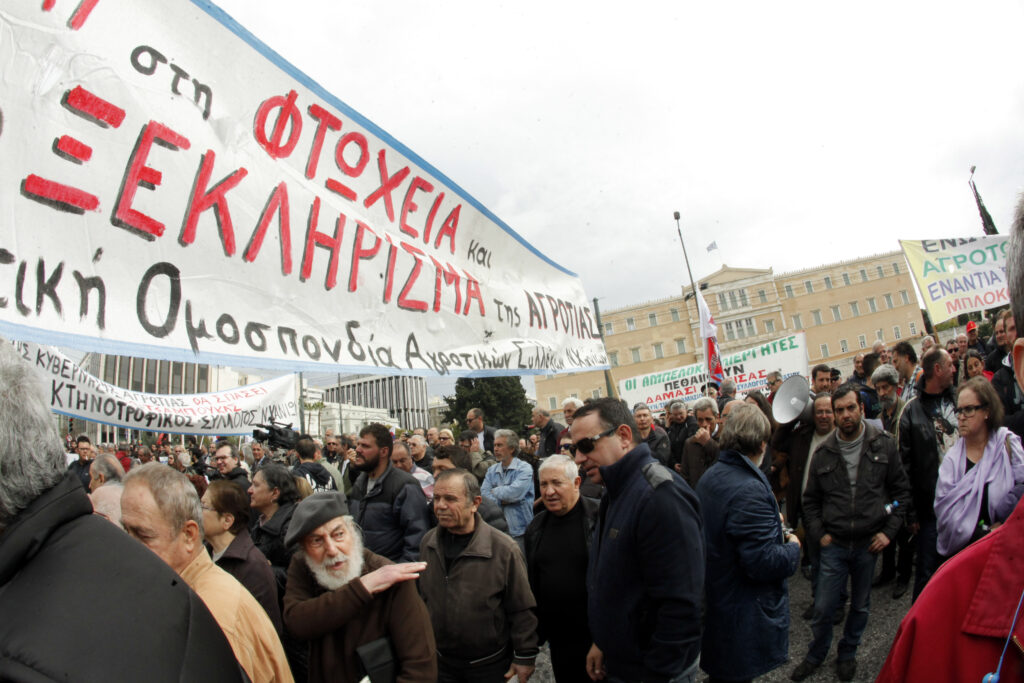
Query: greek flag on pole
709, 333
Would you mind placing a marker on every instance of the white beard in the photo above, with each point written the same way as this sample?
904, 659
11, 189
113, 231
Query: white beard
332, 580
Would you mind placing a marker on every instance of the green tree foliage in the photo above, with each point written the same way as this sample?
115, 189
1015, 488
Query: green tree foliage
502, 399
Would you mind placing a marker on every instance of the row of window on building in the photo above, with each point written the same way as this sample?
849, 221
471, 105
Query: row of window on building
862, 340
553, 400
737, 298
156, 376
837, 309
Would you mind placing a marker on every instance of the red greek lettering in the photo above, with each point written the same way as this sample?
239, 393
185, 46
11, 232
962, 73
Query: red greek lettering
138, 174
59, 196
359, 252
409, 206
289, 114
314, 238
387, 184
202, 199
404, 300
325, 120
451, 225
278, 203
473, 292
93, 108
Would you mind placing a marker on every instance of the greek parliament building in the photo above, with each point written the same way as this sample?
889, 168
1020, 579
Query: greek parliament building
842, 307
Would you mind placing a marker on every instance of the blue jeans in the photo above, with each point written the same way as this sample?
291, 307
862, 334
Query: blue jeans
927, 555
837, 564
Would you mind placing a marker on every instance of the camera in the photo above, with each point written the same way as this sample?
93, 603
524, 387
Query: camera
276, 435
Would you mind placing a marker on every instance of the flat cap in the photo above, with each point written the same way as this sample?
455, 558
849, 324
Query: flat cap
314, 511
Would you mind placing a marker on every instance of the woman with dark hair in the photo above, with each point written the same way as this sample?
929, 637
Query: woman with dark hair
981, 478
273, 496
976, 366
225, 525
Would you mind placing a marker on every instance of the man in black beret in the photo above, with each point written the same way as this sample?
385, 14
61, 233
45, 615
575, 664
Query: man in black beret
359, 611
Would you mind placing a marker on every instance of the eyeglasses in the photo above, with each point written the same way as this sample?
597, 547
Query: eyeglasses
207, 508
969, 411
565, 447
444, 438
588, 444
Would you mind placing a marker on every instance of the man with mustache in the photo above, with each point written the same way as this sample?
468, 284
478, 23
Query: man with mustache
347, 600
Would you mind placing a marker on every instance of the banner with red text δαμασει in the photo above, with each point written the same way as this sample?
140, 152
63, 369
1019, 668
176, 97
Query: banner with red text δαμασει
174, 189
76, 393
959, 275
749, 368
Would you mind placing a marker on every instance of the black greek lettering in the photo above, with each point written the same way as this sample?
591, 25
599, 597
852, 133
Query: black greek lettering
174, 276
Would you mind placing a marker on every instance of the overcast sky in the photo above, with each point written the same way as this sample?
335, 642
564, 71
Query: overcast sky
790, 133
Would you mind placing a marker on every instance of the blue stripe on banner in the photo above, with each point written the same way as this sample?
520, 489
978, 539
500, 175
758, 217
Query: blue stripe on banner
120, 348
229, 23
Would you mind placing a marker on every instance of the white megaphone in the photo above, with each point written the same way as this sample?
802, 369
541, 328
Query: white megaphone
794, 400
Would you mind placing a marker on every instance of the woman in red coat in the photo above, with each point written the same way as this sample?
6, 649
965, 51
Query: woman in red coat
959, 624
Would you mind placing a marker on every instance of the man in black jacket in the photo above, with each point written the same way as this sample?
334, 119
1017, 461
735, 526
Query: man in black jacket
855, 475
314, 473
485, 434
387, 503
549, 431
50, 538
680, 428
226, 460
928, 427
557, 548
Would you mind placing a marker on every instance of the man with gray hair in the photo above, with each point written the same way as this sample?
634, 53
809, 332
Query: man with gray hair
557, 550
549, 431
886, 380
103, 469
160, 508
509, 483
49, 537
749, 557
343, 598
476, 590
726, 393
569, 408
700, 451
681, 427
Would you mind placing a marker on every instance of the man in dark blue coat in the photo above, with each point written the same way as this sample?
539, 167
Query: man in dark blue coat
746, 628
645, 578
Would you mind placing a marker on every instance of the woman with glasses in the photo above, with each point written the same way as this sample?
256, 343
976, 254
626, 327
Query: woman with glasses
981, 477
225, 525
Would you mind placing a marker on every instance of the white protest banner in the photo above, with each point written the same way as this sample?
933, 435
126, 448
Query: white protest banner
174, 189
748, 368
76, 393
959, 275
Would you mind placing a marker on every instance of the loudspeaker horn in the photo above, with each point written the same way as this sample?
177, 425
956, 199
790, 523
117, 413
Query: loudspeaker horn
794, 400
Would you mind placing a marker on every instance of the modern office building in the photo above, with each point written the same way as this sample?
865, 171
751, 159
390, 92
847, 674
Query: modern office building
405, 398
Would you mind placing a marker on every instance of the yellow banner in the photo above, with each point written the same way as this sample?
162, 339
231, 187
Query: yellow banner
959, 275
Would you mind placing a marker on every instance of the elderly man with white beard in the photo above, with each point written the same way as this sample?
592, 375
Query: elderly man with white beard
361, 613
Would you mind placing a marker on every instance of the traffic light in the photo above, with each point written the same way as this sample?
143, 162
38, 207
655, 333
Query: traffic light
71, 425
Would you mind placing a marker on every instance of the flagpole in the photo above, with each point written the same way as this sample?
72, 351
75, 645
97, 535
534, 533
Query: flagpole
693, 286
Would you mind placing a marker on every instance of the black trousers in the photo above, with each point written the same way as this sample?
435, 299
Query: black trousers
900, 566
487, 673
569, 659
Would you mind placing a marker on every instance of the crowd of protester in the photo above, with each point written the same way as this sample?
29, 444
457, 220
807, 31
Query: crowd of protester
637, 546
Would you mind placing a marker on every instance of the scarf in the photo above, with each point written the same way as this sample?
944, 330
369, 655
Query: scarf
958, 492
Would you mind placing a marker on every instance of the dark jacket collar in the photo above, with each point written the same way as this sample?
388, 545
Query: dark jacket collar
29, 531
479, 546
737, 459
870, 434
618, 473
276, 524
240, 547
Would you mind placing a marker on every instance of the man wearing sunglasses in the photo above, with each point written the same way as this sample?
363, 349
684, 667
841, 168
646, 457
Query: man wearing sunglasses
645, 578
